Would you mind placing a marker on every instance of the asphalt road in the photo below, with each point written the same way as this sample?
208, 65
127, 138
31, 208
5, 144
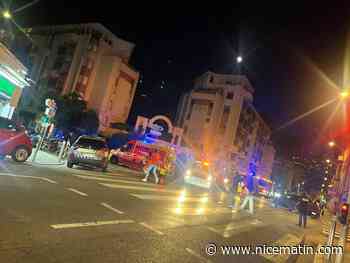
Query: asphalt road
56, 214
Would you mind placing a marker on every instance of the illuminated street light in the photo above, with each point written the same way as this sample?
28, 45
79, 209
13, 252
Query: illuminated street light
331, 144
6, 14
239, 59
344, 94
322, 185
325, 178
328, 161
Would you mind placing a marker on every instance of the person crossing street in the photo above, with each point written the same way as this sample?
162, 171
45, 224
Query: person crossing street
152, 167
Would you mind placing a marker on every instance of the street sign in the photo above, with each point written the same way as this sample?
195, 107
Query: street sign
44, 119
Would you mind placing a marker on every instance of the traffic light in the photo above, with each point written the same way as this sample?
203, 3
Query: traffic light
343, 216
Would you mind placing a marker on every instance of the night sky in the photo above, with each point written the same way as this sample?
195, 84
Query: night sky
282, 45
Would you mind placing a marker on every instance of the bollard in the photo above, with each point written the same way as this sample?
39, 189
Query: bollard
37, 149
63, 148
342, 242
331, 236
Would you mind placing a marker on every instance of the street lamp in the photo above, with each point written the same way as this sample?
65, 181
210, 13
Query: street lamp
239, 59
331, 144
6, 14
328, 161
344, 94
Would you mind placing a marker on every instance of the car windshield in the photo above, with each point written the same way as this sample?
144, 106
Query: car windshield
91, 143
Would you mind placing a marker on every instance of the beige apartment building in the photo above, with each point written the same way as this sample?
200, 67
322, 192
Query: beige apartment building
87, 59
221, 124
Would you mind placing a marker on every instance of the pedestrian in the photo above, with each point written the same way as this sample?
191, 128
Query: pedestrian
303, 208
248, 199
152, 167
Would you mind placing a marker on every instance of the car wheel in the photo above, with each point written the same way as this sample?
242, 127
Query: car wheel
114, 159
20, 154
69, 165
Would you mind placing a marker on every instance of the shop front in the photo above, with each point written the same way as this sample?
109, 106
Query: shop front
12, 82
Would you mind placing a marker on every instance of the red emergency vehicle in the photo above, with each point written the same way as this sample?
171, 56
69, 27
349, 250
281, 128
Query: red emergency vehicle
135, 155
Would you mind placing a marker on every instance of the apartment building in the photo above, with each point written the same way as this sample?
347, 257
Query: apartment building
220, 123
87, 59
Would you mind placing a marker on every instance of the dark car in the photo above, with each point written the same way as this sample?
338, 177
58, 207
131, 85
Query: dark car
14, 141
89, 151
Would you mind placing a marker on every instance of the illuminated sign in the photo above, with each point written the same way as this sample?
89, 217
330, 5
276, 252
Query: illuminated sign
6, 87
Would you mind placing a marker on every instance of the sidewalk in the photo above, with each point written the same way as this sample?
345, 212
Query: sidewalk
44, 158
317, 235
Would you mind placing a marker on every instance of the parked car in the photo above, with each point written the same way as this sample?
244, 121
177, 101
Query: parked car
88, 151
14, 141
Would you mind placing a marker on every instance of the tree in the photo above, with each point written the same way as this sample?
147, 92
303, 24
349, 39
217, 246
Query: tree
70, 108
89, 122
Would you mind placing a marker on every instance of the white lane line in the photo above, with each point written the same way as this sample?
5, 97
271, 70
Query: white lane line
87, 224
157, 188
112, 208
151, 228
233, 228
104, 179
195, 254
30, 177
101, 174
165, 197
76, 191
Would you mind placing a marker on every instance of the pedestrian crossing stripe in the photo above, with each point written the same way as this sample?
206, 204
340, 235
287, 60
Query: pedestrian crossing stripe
287, 240
235, 227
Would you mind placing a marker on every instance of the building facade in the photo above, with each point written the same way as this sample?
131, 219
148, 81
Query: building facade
220, 123
87, 59
13, 79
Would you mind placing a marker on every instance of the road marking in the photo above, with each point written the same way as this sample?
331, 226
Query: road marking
287, 240
159, 189
76, 191
101, 174
166, 198
87, 224
136, 181
233, 228
30, 177
151, 228
195, 254
112, 208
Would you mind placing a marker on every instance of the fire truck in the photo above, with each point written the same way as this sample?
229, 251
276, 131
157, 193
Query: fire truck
135, 154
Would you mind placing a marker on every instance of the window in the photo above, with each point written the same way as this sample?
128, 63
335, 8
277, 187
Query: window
190, 110
229, 96
211, 80
92, 143
210, 109
6, 124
